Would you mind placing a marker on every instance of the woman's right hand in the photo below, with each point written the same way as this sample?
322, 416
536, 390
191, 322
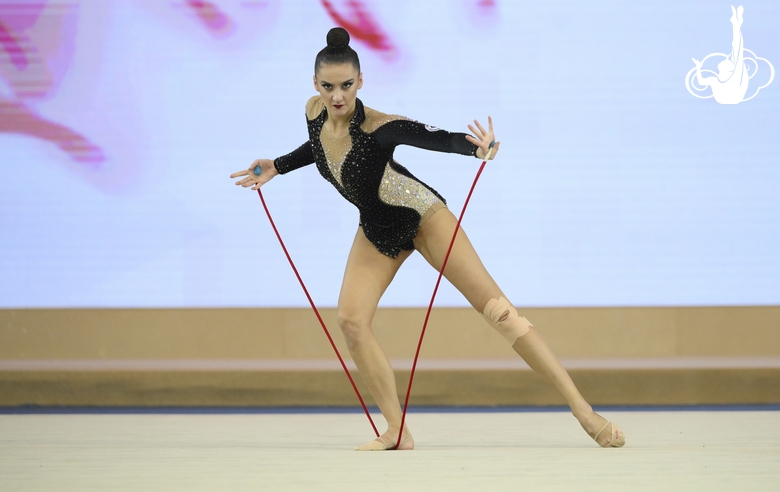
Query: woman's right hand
269, 171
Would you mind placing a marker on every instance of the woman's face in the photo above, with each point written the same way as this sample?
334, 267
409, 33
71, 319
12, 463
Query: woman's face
338, 86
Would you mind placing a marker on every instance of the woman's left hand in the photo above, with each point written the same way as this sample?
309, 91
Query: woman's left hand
483, 139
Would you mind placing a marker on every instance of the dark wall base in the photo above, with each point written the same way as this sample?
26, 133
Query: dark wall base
431, 387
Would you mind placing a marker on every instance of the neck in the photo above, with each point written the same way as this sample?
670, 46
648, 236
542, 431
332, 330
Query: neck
339, 123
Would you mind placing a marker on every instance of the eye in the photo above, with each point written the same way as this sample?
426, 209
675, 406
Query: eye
327, 86
347, 85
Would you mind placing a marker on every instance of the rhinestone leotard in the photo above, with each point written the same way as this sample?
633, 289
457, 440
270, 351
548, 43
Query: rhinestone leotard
361, 167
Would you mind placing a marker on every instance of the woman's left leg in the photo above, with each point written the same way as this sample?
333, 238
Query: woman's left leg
467, 273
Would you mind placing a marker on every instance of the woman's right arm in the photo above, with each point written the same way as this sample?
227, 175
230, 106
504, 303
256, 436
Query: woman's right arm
302, 156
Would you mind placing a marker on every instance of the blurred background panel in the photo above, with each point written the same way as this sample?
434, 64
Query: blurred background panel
121, 121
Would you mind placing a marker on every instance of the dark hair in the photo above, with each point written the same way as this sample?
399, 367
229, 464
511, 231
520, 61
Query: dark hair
338, 50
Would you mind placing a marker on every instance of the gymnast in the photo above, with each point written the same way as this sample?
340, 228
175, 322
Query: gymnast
352, 146
731, 84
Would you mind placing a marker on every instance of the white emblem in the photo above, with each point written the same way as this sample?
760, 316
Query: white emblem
431, 128
729, 85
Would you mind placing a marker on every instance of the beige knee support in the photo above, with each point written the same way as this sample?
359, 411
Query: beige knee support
504, 318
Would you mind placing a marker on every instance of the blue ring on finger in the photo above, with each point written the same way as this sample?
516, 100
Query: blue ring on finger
257, 170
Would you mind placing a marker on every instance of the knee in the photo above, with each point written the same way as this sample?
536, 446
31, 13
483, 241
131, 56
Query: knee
504, 318
353, 328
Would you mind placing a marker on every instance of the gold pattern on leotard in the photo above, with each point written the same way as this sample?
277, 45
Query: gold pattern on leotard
397, 189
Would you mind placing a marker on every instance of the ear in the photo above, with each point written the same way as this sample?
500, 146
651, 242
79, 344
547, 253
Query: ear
360, 80
314, 78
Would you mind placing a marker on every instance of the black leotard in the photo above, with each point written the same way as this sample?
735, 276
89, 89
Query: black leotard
390, 199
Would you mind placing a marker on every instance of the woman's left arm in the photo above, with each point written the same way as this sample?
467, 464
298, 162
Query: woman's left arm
416, 134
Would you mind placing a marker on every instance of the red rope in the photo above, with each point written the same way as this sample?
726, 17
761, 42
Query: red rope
317, 313
433, 297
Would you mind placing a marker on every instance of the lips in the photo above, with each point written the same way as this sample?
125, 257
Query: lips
338, 106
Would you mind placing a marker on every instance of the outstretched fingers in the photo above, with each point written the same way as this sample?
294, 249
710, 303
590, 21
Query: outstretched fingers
478, 130
260, 172
483, 138
246, 182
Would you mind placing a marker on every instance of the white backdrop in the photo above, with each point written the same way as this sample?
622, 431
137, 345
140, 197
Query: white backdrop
120, 122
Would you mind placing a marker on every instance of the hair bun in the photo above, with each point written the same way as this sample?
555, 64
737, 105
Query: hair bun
338, 37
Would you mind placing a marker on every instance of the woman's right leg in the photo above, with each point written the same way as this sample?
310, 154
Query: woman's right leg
366, 277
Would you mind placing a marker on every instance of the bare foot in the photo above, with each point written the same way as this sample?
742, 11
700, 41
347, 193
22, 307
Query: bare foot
387, 441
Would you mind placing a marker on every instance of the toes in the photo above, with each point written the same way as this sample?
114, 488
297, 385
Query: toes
375, 445
609, 435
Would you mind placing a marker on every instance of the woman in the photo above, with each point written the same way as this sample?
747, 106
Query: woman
353, 148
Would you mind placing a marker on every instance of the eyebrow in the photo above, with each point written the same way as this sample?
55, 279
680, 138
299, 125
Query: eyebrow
345, 82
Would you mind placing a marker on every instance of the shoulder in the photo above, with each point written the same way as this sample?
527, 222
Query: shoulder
376, 119
314, 107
